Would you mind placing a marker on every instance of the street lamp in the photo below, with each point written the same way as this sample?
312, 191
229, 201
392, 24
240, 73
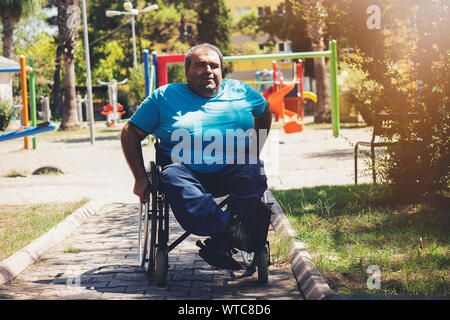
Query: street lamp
130, 11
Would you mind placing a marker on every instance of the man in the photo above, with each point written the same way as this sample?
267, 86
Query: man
205, 111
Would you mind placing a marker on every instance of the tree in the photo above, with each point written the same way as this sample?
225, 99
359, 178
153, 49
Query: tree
10, 13
214, 24
418, 164
68, 11
406, 55
314, 12
286, 24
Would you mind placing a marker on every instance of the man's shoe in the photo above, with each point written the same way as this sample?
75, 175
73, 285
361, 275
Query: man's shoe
216, 256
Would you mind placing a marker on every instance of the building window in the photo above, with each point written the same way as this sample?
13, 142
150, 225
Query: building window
260, 11
284, 47
243, 10
263, 11
281, 9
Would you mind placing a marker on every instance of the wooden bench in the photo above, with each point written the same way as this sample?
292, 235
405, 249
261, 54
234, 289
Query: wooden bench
384, 124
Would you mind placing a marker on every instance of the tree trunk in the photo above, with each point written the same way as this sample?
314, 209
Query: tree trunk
67, 40
56, 90
323, 109
8, 24
315, 32
69, 119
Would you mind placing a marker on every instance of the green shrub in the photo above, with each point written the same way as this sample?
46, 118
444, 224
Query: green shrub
6, 112
137, 86
358, 92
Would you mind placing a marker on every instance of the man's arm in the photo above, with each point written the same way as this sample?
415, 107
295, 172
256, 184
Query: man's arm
131, 138
263, 122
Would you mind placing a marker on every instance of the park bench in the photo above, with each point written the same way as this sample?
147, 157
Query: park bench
382, 126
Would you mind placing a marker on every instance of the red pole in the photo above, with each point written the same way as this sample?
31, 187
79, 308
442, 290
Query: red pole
23, 82
162, 73
162, 66
275, 76
300, 76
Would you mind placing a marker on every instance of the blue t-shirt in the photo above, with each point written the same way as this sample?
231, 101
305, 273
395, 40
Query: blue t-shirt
203, 133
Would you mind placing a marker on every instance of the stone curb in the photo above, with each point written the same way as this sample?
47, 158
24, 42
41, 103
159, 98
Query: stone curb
309, 279
12, 266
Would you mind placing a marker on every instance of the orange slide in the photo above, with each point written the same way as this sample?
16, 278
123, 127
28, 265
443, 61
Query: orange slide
290, 120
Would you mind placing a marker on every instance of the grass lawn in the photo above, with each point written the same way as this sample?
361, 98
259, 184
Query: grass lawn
348, 228
21, 224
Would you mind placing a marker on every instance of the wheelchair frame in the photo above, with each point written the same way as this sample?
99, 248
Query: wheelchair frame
153, 237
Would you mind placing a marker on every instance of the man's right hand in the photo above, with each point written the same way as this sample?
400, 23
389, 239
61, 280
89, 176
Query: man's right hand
142, 189
131, 138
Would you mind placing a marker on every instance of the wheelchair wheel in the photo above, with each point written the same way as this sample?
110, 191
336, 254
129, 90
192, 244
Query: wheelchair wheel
143, 224
153, 212
263, 260
161, 266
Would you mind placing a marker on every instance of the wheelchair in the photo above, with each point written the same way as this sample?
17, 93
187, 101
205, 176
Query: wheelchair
153, 237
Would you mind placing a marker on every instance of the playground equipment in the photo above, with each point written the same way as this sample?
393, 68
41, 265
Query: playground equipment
263, 78
109, 111
159, 76
276, 96
113, 115
25, 130
264, 82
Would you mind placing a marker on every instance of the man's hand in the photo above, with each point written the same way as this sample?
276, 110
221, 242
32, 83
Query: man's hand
131, 138
142, 189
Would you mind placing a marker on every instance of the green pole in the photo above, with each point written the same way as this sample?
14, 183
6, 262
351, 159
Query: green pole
33, 99
289, 55
334, 89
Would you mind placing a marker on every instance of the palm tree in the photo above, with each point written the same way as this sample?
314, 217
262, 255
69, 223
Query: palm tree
10, 13
67, 38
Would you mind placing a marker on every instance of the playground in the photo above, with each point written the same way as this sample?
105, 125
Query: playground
355, 158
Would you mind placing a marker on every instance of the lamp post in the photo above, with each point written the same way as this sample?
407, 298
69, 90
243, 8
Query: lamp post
132, 12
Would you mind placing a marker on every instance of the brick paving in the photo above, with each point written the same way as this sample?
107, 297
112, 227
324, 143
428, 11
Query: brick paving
99, 259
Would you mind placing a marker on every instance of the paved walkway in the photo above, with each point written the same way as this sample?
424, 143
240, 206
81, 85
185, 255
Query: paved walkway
99, 260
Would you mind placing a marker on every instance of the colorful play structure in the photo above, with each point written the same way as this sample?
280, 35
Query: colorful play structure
290, 114
279, 93
113, 111
295, 100
25, 130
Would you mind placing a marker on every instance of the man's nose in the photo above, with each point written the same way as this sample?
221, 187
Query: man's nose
208, 68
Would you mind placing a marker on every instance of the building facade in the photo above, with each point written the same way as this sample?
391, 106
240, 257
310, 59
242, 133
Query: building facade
245, 70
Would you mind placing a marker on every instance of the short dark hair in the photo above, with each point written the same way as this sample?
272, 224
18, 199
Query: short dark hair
187, 58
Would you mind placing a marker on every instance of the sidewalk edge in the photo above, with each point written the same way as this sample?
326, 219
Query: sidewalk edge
12, 266
310, 281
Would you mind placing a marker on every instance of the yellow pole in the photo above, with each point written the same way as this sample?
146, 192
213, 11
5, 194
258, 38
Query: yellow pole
23, 82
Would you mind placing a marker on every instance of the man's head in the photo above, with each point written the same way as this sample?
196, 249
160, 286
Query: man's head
203, 66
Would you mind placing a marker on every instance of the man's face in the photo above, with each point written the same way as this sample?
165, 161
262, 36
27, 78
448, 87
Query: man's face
204, 75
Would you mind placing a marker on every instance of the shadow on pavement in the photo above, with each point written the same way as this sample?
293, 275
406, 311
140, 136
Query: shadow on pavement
78, 140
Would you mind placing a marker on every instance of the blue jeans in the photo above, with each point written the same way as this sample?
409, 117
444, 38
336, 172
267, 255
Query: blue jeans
191, 195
